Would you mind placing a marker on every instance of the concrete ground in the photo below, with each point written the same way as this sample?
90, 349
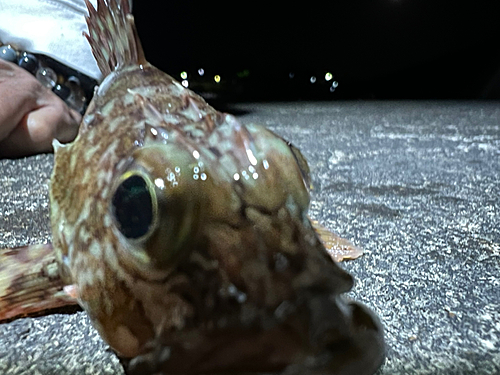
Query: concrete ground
416, 184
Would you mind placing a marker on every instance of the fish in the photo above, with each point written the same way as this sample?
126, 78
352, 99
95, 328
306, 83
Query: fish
185, 236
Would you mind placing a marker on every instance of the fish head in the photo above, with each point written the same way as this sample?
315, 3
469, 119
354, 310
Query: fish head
201, 244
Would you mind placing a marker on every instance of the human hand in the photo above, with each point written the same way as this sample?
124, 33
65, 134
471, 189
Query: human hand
31, 115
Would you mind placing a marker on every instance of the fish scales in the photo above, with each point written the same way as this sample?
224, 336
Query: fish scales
185, 236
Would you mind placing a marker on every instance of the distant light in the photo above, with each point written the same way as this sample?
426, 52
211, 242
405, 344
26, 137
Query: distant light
185, 83
184, 75
217, 78
236, 176
291, 75
196, 154
334, 85
201, 71
328, 76
312, 79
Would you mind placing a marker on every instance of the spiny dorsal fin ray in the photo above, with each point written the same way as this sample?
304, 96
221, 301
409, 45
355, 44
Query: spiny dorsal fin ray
112, 35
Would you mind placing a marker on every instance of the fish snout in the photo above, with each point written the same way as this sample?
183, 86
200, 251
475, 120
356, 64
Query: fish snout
349, 337
369, 340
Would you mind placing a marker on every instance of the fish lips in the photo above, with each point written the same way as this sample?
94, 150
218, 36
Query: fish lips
325, 335
352, 345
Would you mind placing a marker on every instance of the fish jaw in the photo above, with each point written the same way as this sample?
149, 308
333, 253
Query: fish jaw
279, 349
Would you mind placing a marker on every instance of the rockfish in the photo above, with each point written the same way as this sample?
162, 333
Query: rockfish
184, 234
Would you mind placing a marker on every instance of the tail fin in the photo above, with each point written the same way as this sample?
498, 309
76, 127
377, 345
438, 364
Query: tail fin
112, 35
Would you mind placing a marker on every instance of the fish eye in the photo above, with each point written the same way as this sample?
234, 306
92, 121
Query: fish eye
134, 205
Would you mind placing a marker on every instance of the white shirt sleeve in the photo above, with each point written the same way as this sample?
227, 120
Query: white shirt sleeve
51, 27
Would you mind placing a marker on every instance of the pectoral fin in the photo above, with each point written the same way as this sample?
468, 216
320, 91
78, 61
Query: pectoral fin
30, 283
338, 247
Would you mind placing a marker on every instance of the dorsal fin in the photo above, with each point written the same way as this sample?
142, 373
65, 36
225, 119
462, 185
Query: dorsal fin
112, 35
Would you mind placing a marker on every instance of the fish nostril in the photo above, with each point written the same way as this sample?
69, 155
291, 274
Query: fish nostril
362, 317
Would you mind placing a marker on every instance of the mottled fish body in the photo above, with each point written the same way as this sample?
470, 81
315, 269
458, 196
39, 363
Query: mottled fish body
186, 235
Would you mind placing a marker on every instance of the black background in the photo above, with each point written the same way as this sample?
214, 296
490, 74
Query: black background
407, 49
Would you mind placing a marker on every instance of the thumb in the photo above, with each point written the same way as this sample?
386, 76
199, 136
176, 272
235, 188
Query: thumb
37, 129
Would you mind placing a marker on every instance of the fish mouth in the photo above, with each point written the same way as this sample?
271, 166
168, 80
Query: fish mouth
350, 341
364, 351
346, 338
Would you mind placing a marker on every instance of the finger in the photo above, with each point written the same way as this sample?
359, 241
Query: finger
36, 131
19, 143
61, 118
69, 128
19, 92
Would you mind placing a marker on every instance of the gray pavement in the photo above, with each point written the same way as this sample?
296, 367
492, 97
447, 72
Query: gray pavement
416, 184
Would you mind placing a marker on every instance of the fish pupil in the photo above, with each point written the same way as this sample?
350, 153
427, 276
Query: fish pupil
133, 207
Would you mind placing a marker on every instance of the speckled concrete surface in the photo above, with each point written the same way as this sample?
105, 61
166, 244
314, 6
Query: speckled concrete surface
415, 184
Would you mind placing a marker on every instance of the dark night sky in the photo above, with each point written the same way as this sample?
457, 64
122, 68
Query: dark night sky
376, 49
